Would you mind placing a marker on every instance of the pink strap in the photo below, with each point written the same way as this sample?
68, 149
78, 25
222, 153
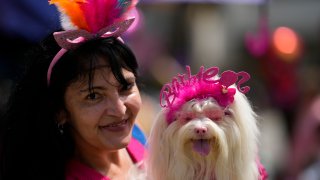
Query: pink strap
136, 150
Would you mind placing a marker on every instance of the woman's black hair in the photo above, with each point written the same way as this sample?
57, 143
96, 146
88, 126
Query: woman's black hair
31, 146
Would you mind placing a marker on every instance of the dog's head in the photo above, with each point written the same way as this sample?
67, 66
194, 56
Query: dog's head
206, 135
213, 134
204, 128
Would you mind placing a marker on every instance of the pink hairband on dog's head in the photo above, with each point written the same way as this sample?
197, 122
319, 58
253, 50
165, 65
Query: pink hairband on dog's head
185, 87
85, 20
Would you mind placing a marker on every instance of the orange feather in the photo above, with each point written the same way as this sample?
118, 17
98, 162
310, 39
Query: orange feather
72, 9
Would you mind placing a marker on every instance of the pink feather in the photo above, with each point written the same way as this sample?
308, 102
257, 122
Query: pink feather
93, 15
200, 90
102, 13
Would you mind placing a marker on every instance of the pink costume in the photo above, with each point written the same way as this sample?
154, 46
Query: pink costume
78, 171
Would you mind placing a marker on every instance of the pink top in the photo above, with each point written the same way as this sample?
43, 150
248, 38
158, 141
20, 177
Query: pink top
79, 171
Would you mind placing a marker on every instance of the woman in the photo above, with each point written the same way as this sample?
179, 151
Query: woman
72, 115
79, 125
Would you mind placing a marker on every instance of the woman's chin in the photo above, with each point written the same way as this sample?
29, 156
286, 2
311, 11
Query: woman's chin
118, 141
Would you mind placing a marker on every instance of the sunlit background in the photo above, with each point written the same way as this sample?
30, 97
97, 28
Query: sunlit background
277, 42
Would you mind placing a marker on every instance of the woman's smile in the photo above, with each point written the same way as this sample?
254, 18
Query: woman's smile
118, 126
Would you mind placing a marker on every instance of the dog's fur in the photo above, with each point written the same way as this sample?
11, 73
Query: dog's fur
233, 141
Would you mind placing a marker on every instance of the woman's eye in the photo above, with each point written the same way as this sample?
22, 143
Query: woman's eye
92, 96
128, 87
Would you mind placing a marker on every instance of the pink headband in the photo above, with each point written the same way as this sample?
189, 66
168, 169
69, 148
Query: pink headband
185, 87
71, 39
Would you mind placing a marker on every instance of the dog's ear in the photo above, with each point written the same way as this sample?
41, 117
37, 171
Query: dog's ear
246, 120
245, 117
158, 156
158, 127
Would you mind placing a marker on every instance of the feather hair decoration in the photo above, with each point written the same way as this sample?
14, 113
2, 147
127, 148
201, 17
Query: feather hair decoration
92, 15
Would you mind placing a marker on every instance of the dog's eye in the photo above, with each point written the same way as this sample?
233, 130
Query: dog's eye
215, 118
188, 118
214, 115
227, 112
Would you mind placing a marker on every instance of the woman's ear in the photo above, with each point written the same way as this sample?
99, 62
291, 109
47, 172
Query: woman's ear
61, 117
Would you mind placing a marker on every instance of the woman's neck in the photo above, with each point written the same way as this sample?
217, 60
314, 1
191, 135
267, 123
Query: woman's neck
108, 163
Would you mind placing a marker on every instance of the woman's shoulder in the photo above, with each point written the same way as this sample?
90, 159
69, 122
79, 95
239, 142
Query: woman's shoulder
136, 150
76, 170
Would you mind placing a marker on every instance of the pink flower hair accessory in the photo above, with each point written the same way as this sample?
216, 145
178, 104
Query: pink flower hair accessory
205, 84
84, 20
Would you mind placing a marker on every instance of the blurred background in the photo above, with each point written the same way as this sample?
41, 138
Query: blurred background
277, 42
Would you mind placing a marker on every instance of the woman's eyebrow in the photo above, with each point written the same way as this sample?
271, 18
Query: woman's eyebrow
130, 78
92, 88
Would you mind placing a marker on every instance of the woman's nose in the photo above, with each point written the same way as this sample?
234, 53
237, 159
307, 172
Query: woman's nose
116, 107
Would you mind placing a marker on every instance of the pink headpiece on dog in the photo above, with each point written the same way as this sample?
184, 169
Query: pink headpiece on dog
85, 20
185, 87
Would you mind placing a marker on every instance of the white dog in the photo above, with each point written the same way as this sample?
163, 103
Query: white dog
205, 140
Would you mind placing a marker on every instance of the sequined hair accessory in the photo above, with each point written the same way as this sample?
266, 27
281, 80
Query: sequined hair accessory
207, 83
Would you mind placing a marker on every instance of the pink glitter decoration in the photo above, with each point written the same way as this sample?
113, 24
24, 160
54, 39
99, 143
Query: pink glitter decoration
186, 87
71, 39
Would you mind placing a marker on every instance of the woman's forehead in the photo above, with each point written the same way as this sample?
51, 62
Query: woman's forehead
106, 74
102, 75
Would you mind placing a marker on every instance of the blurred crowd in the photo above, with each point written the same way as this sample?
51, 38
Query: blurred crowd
277, 42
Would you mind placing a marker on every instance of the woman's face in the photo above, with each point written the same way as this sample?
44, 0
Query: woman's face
103, 118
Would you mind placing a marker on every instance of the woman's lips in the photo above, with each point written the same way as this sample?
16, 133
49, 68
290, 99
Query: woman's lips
116, 126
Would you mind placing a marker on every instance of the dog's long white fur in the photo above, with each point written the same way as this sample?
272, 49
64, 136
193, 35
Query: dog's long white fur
234, 145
